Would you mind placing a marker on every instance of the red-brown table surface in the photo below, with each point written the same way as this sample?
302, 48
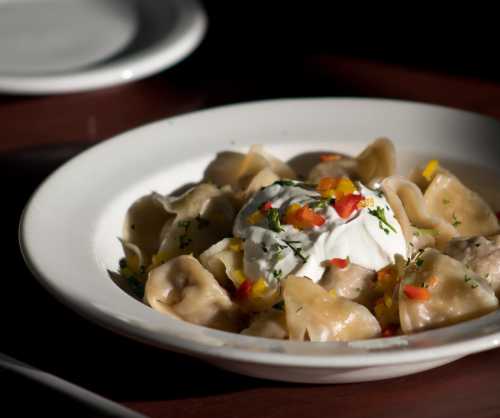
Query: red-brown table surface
39, 133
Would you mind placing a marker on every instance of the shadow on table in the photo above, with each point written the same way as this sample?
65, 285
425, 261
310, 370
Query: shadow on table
42, 332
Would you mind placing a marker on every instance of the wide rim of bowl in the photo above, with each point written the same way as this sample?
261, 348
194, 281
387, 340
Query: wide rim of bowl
452, 341
185, 35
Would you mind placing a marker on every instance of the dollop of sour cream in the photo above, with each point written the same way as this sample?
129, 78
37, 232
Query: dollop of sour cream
362, 237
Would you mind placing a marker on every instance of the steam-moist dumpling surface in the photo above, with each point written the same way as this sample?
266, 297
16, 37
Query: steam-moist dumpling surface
455, 295
238, 169
203, 216
352, 282
268, 324
446, 197
222, 262
143, 222
376, 161
481, 255
312, 313
410, 209
184, 289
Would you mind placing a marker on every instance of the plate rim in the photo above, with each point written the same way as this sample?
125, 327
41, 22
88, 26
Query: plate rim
399, 356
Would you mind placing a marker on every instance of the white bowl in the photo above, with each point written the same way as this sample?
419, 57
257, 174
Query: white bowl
70, 227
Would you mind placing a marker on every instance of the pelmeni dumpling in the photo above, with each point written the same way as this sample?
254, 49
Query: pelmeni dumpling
481, 255
143, 223
312, 313
352, 282
447, 198
420, 227
203, 216
238, 170
222, 261
183, 289
376, 162
455, 293
268, 324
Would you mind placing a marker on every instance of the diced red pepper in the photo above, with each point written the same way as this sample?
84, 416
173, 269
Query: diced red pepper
329, 157
389, 331
327, 183
244, 290
307, 218
266, 206
347, 205
415, 292
341, 263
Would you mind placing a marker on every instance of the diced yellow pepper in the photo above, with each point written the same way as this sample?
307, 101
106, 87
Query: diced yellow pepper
328, 194
430, 169
259, 288
236, 245
255, 217
344, 187
367, 202
160, 258
238, 276
332, 293
387, 300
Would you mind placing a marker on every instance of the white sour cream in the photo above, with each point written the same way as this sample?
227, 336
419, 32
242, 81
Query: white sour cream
362, 237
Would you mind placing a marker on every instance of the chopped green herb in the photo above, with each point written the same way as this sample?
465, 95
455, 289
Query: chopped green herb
467, 278
379, 213
273, 220
297, 251
379, 194
321, 203
285, 183
184, 240
419, 262
202, 222
277, 274
474, 285
456, 222
446, 201
298, 310
123, 263
263, 247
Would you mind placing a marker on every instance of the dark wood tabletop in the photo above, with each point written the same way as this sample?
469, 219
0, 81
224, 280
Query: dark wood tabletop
37, 134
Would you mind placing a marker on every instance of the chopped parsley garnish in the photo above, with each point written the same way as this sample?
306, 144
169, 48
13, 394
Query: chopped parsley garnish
263, 247
278, 250
321, 203
184, 240
277, 274
471, 281
467, 278
446, 201
379, 213
123, 263
273, 220
419, 262
297, 251
202, 222
456, 222
379, 193
285, 183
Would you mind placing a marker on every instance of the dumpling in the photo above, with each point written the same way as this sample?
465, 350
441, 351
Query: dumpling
421, 228
447, 198
203, 216
312, 313
143, 223
376, 162
353, 282
238, 170
268, 324
183, 289
222, 261
481, 255
451, 293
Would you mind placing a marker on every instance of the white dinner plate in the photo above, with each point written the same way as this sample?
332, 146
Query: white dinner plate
70, 226
58, 46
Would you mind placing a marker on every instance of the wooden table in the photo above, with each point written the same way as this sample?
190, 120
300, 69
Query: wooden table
39, 133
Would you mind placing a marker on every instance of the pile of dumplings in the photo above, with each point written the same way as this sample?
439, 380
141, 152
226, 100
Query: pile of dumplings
181, 259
